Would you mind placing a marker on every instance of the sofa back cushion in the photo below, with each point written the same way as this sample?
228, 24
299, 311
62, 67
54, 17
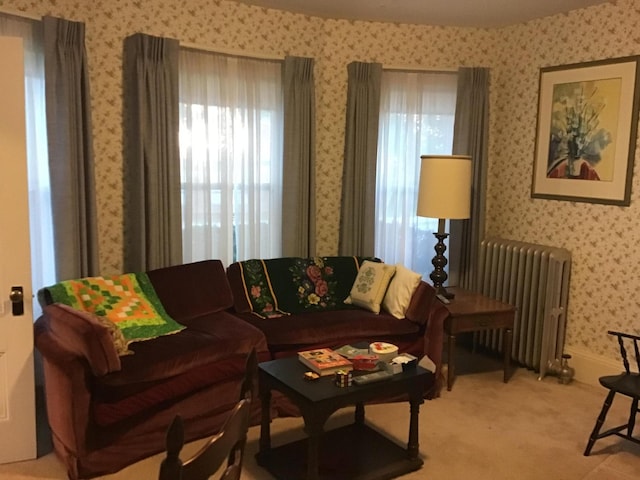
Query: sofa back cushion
280, 286
193, 289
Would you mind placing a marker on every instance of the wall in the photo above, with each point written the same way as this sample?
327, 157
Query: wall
602, 238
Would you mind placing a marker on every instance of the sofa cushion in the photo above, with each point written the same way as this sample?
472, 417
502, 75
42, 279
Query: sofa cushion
401, 289
293, 285
370, 285
108, 411
330, 328
192, 290
211, 350
209, 338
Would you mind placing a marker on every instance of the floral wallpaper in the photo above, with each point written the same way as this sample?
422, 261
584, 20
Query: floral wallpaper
601, 238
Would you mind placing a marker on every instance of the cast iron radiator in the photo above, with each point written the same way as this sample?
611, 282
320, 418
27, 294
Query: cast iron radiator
534, 278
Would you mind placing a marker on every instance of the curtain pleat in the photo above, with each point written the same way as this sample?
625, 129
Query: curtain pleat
471, 137
152, 213
71, 160
298, 175
357, 213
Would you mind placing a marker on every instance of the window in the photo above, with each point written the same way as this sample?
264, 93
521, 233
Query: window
40, 218
231, 114
417, 111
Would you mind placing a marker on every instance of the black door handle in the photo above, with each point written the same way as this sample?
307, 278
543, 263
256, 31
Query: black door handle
17, 301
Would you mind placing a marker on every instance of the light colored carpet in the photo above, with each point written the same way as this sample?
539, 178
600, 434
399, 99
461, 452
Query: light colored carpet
483, 429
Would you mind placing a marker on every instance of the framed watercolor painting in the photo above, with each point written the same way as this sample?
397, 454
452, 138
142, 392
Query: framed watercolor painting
586, 131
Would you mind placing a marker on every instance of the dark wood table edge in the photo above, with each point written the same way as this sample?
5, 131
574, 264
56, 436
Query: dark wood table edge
500, 308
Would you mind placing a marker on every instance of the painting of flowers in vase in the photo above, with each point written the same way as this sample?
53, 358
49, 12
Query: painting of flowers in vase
587, 127
583, 125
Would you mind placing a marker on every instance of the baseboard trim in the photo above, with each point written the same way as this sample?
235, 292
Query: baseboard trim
590, 367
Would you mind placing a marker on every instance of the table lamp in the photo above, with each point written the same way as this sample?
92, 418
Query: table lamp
444, 193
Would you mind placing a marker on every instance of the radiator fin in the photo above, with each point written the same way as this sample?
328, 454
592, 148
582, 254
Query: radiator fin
535, 279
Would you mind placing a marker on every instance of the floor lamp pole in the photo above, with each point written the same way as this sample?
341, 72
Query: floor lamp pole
439, 275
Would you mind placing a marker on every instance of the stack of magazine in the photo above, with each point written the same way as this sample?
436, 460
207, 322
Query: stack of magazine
325, 361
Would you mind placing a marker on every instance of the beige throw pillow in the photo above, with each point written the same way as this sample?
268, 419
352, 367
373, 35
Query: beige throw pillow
401, 289
371, 284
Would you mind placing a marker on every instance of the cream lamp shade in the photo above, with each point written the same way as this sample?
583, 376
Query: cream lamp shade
445, 186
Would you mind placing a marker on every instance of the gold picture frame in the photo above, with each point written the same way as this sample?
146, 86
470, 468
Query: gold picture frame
586, 131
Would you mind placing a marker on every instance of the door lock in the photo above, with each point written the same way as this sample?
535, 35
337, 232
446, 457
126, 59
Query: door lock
17, 301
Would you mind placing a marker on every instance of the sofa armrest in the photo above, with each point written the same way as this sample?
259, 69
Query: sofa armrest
67, 383
425, 309
82, 335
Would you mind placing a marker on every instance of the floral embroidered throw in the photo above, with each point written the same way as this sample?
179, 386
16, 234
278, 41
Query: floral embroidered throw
283, 286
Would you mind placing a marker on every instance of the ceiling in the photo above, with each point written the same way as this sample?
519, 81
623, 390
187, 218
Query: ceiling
463, 13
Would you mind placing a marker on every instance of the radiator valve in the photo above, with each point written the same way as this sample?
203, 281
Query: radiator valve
562, 369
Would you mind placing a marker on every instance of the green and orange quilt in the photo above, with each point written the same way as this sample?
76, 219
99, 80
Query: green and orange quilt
128, 300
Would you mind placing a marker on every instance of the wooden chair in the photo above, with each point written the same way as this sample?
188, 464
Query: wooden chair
251, 372
628, 384
228, 444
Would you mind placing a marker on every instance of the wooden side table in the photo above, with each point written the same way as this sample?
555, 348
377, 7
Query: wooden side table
471, 312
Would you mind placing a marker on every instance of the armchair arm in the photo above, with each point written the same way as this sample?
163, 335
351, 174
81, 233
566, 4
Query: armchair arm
67, 377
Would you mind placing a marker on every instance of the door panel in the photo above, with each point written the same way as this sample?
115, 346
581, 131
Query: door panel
17, 393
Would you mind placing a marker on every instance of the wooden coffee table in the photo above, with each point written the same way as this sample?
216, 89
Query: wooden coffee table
355, 451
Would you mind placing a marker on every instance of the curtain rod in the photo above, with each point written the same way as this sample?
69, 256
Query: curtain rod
17, 13
228, 51
413, 68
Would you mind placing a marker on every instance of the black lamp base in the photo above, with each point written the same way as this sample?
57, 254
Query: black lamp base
439, 275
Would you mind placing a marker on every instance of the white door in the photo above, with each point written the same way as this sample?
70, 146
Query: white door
17, 391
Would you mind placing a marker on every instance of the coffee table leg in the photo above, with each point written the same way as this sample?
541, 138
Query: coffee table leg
451, 361
359, 414
508, 339
265, 423
313, 427
413, 446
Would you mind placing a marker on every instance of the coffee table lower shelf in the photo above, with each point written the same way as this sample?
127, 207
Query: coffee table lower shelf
352, 452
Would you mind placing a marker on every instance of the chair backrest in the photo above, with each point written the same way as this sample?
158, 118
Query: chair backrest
227, 445
632, 339
250, 374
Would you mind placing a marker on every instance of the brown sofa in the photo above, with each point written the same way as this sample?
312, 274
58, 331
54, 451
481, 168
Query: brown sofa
292, 325
107, 411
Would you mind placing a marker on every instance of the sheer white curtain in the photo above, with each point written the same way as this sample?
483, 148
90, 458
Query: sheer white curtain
42, 255
417, 111
231, 114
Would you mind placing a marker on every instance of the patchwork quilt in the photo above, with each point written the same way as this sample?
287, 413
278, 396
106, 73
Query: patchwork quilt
129, 301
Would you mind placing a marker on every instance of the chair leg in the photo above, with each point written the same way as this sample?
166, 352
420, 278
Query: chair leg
596, 429
632, 417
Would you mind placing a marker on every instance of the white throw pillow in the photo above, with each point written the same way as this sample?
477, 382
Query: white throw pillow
401, 289
371, 284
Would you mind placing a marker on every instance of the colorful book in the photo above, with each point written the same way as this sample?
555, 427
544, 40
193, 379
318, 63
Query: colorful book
349, 351
324, 361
